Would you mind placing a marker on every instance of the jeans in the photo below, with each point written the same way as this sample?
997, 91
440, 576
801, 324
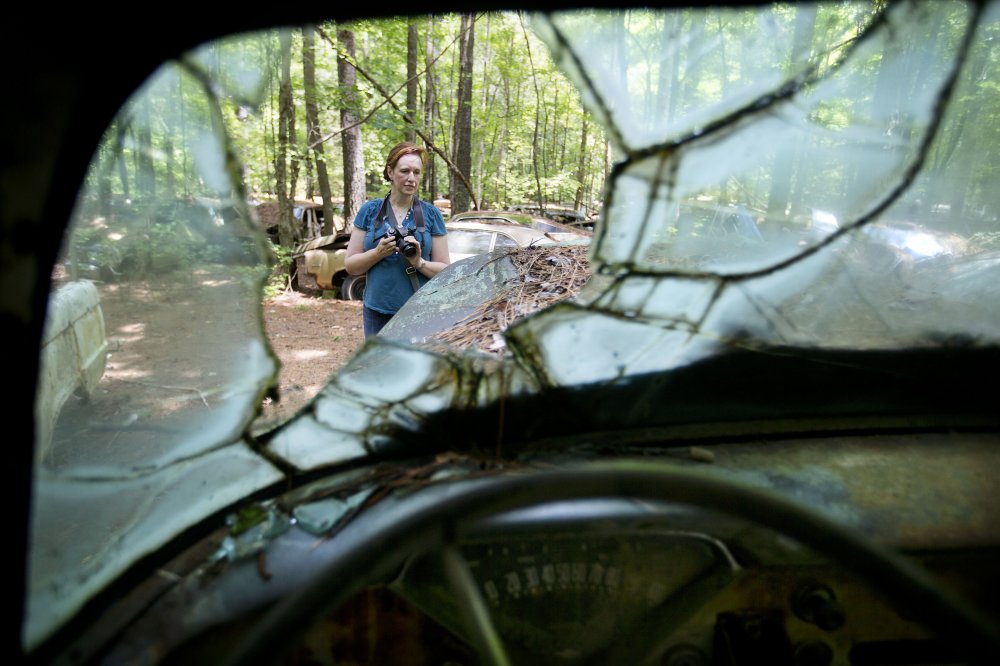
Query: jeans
373, 321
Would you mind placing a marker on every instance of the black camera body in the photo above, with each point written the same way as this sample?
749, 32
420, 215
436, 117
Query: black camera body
400, 237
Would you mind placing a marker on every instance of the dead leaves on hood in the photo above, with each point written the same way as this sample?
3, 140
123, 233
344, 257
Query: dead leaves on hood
548, 274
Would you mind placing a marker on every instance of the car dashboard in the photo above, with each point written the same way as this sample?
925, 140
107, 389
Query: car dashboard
780, 551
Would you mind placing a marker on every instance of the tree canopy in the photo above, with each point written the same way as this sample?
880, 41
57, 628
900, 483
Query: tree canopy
533, 139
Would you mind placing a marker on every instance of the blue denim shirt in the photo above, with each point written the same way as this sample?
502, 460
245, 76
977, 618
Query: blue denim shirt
387, 286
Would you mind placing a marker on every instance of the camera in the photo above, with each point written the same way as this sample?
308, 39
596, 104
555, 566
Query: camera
399, 235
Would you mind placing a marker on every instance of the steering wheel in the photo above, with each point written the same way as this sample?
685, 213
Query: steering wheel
375, 556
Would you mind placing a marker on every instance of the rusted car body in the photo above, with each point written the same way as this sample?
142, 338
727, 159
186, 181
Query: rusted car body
73, 356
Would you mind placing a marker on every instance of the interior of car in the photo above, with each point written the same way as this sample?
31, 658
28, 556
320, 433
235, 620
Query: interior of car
764, 444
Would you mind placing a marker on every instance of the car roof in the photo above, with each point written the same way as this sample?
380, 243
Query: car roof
524, 219
522, 234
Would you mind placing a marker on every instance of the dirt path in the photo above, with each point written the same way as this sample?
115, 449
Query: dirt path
173, 342
312, 338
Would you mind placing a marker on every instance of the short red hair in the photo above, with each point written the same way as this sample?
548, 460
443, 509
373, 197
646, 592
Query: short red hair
400, 150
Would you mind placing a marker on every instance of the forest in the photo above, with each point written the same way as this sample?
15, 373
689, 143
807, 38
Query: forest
309, 113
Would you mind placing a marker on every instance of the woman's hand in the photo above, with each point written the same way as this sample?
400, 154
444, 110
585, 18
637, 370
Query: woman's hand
358, 260
385, 247
417, 257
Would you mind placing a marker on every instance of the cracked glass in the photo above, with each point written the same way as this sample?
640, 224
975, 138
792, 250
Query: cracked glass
793, 177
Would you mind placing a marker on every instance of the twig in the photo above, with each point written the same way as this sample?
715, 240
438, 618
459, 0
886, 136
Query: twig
169, 388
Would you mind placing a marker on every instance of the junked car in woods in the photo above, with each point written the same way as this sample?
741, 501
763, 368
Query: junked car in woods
563, 214
765, 453
307, 217
322, 260
541, 223
479, 233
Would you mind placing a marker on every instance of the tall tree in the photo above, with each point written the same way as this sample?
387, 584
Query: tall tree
145, 167
286, 112
312, 124
354, 161
430, 100
581, 169
121, 130
169, 184
669, 65
411, 75
463, 115
534, 139
784, 164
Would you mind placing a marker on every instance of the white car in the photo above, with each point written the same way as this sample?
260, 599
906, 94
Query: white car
482, 232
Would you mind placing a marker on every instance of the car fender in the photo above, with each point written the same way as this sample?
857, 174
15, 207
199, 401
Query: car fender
73, 354
324, 265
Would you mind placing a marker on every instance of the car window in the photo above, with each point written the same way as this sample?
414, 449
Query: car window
503, 240
469, 241
831, 129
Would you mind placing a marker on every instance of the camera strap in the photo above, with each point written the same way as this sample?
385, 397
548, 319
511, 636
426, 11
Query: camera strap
418, 217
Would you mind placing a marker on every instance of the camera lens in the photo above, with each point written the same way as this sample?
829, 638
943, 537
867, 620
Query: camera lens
407, 248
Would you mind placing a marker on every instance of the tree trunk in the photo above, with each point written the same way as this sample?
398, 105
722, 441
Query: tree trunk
354, 161
581, 170
169, 185
411, 76
785, 164
430, 178
286, 230
534, 139
122, 128
293, 153
312, 125
670, 66
463, 114
185, 164
145, 171
488, 100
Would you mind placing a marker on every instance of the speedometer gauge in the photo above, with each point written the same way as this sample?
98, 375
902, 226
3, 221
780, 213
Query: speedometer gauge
568, 595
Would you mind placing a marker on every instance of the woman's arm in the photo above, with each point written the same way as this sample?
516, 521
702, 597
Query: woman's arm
439, 257
358, 261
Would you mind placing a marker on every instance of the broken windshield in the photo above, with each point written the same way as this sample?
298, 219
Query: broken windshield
813, 176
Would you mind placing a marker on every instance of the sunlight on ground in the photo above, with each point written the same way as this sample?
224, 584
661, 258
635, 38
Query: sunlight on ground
310, 354
132, 331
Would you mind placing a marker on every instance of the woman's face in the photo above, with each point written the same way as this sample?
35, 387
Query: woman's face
406, 174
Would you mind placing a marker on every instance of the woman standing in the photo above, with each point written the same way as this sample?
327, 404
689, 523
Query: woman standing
395, 268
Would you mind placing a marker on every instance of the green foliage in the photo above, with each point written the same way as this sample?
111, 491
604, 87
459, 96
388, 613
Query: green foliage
167, 123
528, 118
248, 517
277, 277
135, 240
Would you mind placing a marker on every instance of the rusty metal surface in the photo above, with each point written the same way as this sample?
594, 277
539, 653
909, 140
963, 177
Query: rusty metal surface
912, 491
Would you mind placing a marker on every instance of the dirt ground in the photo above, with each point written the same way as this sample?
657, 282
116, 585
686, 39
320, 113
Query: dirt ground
180, 342
171, 344
294, 322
